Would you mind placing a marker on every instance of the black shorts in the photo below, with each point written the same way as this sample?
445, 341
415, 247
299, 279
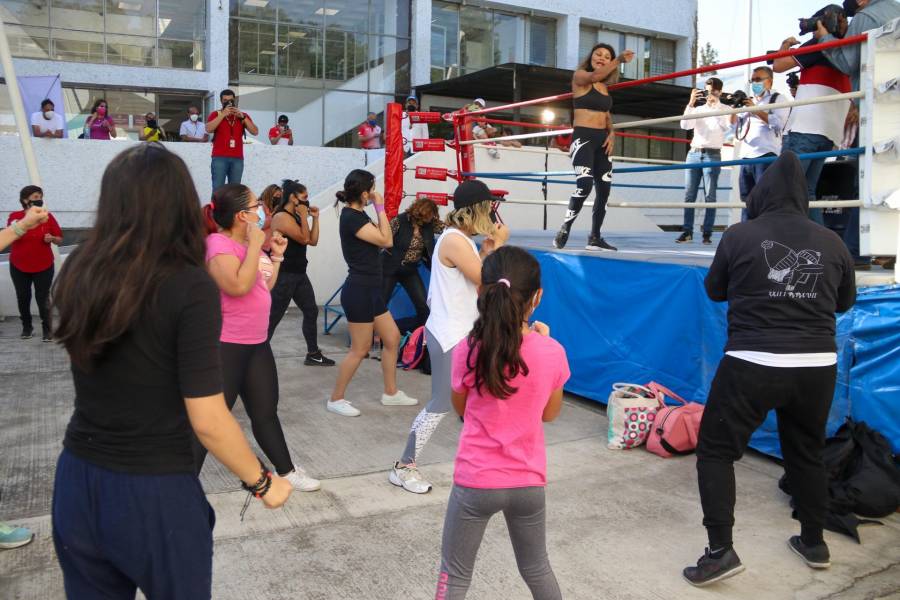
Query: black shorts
362, 303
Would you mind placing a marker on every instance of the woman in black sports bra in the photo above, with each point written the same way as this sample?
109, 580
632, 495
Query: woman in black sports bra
593, 140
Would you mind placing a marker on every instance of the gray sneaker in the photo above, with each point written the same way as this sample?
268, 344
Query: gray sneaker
409, 478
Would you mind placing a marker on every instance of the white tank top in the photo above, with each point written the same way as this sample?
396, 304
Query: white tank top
452, 298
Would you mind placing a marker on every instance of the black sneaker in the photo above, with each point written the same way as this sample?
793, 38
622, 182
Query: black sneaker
685, 237
317, 359
562, 236
710, 570
27, 332
46, 336
707, 238
598, 243
816, 556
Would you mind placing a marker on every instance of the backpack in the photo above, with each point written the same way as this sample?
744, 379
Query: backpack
413, 351
675, 429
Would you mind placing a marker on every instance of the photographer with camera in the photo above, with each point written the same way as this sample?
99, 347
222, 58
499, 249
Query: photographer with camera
706, 146
228, 126
152, 132
758, 132
815, 127
281, 134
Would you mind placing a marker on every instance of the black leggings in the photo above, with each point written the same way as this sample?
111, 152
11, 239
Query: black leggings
592, 168
408, 277
296, 287
23, 281
249, 370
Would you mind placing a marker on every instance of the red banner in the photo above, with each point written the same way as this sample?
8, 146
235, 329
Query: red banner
424, 117
393, 160
435, 173
436, 197
428, 145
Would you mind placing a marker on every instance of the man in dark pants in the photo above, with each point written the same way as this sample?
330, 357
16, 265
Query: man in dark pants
784, 277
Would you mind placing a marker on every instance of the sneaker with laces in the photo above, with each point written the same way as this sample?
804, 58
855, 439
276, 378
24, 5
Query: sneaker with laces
816, 557
409, 478
317, 359
685, 237
27, 332
398, 399
342, 407
710, 570
14, 537
707, 238
301, 481
598, 243
562, 236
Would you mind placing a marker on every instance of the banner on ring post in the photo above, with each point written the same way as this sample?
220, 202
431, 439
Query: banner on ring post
393, 160
424, 117
428, 145
433, 173
436, 197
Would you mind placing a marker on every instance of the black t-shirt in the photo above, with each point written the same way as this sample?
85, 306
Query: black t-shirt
295, 254
129, 409
362, 258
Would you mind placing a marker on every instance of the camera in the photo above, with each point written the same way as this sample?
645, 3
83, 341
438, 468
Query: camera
793, 79
735, 100
701, 98
831, 18
228, 104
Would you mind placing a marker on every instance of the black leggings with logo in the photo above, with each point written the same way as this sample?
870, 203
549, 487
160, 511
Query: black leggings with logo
592, 169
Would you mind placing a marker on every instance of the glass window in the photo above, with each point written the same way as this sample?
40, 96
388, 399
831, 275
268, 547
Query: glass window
344, 113
25, 12
300, 54
263, 10
542, 42
130, 50
301, 12
133, 17
389, 66
182, 19
587, 37
475, 39
346, 57
389, 17
28, 42
178, 54
444, 37
350, 15
83, 15
77, 46
257, 48
660, 57
509, 38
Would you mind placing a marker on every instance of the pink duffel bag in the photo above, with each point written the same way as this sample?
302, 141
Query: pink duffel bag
676, 428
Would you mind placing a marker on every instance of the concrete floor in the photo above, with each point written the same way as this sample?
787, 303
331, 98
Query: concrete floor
621, 525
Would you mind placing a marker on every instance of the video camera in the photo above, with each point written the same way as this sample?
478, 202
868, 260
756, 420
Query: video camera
831, 18
735, 100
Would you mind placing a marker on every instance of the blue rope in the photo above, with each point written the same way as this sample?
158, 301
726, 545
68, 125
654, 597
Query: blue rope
535, 179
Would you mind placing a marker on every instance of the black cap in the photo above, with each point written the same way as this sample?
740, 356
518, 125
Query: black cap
283, 119
470, 193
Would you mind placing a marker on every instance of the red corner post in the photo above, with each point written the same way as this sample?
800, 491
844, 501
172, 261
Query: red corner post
393, 160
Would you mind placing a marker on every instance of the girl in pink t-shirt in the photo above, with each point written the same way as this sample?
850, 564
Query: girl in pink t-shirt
505, 395
245, 276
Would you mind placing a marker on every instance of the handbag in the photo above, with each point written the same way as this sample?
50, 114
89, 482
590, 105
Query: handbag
631, 409
675, 429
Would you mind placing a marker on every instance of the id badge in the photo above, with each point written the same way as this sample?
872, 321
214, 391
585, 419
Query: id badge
231, 143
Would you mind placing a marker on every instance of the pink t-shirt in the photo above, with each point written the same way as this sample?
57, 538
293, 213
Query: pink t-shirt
245, 319
502, 441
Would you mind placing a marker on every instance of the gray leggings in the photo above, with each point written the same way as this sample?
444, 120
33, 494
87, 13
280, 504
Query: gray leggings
468, 513
439, 405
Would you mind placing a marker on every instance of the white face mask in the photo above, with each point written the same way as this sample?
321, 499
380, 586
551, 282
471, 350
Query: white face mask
194, 118
49, 114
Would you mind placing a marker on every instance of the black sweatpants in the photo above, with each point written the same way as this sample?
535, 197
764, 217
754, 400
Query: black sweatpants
249, 370
22, 281
741, 395
296, 287
408, 277
593, 169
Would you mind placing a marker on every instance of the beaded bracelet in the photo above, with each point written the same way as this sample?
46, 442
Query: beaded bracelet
258, 489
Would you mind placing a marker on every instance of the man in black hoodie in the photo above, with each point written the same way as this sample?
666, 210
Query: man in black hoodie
784, 278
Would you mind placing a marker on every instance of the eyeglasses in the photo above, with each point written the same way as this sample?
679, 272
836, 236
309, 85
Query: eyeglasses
758, 79
251, 208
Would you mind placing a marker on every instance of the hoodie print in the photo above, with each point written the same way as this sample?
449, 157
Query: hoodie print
794, 273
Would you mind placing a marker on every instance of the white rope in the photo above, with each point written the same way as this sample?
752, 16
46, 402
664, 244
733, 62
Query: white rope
696, 205
702, 115
552, 151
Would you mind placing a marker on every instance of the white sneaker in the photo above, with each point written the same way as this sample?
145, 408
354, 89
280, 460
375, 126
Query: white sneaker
409, 479
398, 399
342, 407
301, 481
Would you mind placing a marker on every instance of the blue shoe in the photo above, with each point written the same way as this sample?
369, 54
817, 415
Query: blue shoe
14, 537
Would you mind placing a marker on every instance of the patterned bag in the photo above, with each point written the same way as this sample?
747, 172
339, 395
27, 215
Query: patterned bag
631, 409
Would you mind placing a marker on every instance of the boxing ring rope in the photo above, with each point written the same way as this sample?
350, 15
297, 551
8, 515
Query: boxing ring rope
679, 205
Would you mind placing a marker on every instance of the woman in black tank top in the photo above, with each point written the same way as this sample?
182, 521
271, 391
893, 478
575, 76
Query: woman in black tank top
592, 141
291, 217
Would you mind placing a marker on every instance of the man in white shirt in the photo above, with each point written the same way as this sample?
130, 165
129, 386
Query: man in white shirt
46, 123
759, 132
706, 147
193, 129
412, 131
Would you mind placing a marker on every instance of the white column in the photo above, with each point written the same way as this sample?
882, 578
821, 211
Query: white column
420, 69
217, 43
567, 41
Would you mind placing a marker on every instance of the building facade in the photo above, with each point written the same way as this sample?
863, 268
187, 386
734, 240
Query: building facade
324, 63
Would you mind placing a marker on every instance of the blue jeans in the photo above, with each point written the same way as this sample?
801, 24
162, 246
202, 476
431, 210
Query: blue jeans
692, 184
748, 178
116, 532
223, 167
804, 143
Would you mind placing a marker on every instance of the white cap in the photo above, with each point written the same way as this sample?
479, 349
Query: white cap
480, 102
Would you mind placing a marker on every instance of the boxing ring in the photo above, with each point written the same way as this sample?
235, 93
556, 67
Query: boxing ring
641, 313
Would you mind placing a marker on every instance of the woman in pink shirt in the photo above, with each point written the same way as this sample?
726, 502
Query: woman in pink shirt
505, 396
100, 126
245, 275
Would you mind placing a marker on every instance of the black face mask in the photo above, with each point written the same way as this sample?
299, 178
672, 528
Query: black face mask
850, 7
37, 203
151, 123
411, 107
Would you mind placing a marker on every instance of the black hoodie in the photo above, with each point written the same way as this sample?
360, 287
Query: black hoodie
783, 275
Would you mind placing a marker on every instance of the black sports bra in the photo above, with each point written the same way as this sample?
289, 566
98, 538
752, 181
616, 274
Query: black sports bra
593, 100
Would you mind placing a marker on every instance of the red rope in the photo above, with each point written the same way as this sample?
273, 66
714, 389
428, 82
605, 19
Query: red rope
524, 124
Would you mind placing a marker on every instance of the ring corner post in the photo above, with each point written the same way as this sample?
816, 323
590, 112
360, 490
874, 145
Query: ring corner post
393, 161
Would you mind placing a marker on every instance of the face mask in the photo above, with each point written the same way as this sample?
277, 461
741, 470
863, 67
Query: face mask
101, 110
49, 114
261, 216
36, 203
758, 88
194, 118
151, 123
411, 108
373, 123
850, 7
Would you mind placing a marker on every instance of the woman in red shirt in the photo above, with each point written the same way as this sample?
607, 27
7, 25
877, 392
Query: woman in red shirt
31, 262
